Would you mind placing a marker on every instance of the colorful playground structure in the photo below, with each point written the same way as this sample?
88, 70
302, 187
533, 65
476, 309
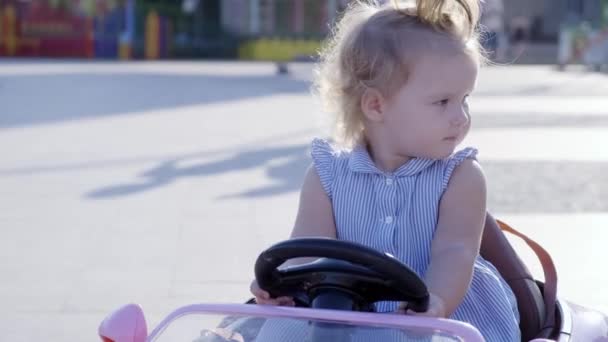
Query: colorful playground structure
580, 42
584, 45
145, 29
81, 29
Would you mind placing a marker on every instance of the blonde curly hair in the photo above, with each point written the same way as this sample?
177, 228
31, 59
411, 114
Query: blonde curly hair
375, 46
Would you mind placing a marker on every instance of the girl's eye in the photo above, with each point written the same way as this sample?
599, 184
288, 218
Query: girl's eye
443, 102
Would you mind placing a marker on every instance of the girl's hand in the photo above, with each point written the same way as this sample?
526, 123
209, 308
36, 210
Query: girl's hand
436, 308
263, 297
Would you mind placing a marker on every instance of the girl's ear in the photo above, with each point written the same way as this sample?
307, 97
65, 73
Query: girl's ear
373, 105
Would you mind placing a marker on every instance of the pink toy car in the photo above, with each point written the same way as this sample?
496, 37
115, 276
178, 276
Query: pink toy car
336, 293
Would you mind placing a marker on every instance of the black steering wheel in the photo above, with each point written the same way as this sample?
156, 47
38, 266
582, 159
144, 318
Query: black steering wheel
348, 276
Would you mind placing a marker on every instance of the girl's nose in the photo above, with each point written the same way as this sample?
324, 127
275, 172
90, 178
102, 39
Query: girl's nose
460, 117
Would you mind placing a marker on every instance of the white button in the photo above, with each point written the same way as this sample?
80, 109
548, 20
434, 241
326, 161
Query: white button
388, 220
389, 181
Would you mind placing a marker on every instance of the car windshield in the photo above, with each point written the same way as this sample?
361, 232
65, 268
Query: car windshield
288, 324
216, 328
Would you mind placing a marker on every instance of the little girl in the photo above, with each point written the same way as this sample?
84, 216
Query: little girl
398, 79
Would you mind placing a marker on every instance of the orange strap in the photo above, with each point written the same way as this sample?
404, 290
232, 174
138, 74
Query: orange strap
550, 288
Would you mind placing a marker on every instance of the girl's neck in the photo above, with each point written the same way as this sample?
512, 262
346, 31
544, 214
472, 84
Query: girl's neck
384, 159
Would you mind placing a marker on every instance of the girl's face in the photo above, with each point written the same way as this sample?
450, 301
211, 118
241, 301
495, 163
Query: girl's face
429, 116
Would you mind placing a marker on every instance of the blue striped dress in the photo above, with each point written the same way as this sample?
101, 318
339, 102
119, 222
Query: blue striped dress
397, 213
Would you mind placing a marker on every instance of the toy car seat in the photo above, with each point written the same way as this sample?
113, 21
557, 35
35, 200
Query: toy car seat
536, 302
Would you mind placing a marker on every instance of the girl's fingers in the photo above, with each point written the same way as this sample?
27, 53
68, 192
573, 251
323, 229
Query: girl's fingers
267, 301
263, 297
402, 308
259, 293
283, 301
429, 313
286, 301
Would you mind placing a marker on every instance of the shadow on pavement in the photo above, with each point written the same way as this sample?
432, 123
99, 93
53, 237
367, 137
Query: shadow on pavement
286, 175
50, 98
514, 186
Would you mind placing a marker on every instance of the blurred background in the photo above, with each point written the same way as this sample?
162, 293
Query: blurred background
150, 149
520, 31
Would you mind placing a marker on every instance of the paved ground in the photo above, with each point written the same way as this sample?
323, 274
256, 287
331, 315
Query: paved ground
159, 183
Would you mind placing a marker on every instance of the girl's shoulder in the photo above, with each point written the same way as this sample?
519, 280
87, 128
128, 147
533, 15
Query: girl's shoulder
329, 162
450, 163
323, 146
324, 152
461, 155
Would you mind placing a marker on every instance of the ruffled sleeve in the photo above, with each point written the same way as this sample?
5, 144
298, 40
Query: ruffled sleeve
324, 160
454, 160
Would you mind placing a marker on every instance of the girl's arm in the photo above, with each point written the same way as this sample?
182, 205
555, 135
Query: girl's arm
315, 216
455, 246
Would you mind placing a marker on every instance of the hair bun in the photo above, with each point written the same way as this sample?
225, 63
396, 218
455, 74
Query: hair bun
444, 15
